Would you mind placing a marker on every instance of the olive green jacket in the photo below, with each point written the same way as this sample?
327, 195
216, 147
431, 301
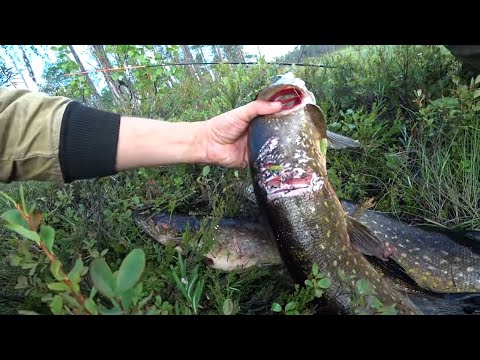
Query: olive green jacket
54, 138
29, 135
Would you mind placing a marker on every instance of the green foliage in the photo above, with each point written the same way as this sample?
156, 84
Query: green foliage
314, 288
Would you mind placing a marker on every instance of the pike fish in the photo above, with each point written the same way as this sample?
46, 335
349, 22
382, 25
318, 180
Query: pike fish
287, 155
438, 261
238, 243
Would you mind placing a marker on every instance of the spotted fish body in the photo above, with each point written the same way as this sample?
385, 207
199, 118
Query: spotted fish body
237, 243
431, 258
288, 163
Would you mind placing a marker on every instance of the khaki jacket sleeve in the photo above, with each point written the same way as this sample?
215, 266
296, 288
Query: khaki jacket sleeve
30, 126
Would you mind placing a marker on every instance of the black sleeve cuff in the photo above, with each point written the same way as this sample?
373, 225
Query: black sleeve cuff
88, 142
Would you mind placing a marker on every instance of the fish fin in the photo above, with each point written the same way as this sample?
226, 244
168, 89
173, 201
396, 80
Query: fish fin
362, 208
318, 118
365, 241
334, 140
337, 141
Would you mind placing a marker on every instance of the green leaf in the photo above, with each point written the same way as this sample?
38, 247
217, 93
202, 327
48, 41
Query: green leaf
144, 301
93, 292
315, 269
130, 271
22, 282
181, 263
236, 173
47, 235
22, 200
115, 76
32, 235
373, 302
8, 198
455, 79
56, 306
477, 80
324, 283
74, 274
91, 306
477, 107
309, 283
388, 310
206, 170
227, 307
15, 260
58, 286
15, 217
318, 293
190, 285
114, 311
476, 93
180, 285
276, 307
290, 306
102, 277
55, 269
197, 295
363, 287
71, 301
32, 270
127, 298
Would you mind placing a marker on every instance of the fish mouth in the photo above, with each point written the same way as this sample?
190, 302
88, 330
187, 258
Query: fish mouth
288, 90
290, 98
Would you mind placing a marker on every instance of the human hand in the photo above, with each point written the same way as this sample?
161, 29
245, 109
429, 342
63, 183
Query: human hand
225, 136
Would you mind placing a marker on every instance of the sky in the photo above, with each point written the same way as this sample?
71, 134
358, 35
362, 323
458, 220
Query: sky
268, 51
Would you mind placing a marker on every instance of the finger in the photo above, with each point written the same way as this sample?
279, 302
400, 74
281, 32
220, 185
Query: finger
255, 108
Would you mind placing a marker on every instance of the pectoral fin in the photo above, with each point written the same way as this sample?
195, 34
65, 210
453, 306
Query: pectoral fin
337, 141
365, 241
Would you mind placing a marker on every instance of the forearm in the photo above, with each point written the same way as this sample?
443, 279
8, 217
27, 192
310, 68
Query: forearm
151, 143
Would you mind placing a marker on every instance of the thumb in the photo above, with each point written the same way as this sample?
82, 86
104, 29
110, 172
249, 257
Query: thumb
255, 108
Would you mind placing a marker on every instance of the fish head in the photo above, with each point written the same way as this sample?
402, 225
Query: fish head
290, 91
158, 226
288, 148
239, 248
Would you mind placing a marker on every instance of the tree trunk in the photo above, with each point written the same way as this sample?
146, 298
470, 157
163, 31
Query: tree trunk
228, 52
205, 68
240, 55
28, 65
101, 56
16, 67
218, 52
195, 70
90, 83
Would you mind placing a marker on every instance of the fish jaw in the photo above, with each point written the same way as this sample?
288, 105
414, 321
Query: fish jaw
290, 91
